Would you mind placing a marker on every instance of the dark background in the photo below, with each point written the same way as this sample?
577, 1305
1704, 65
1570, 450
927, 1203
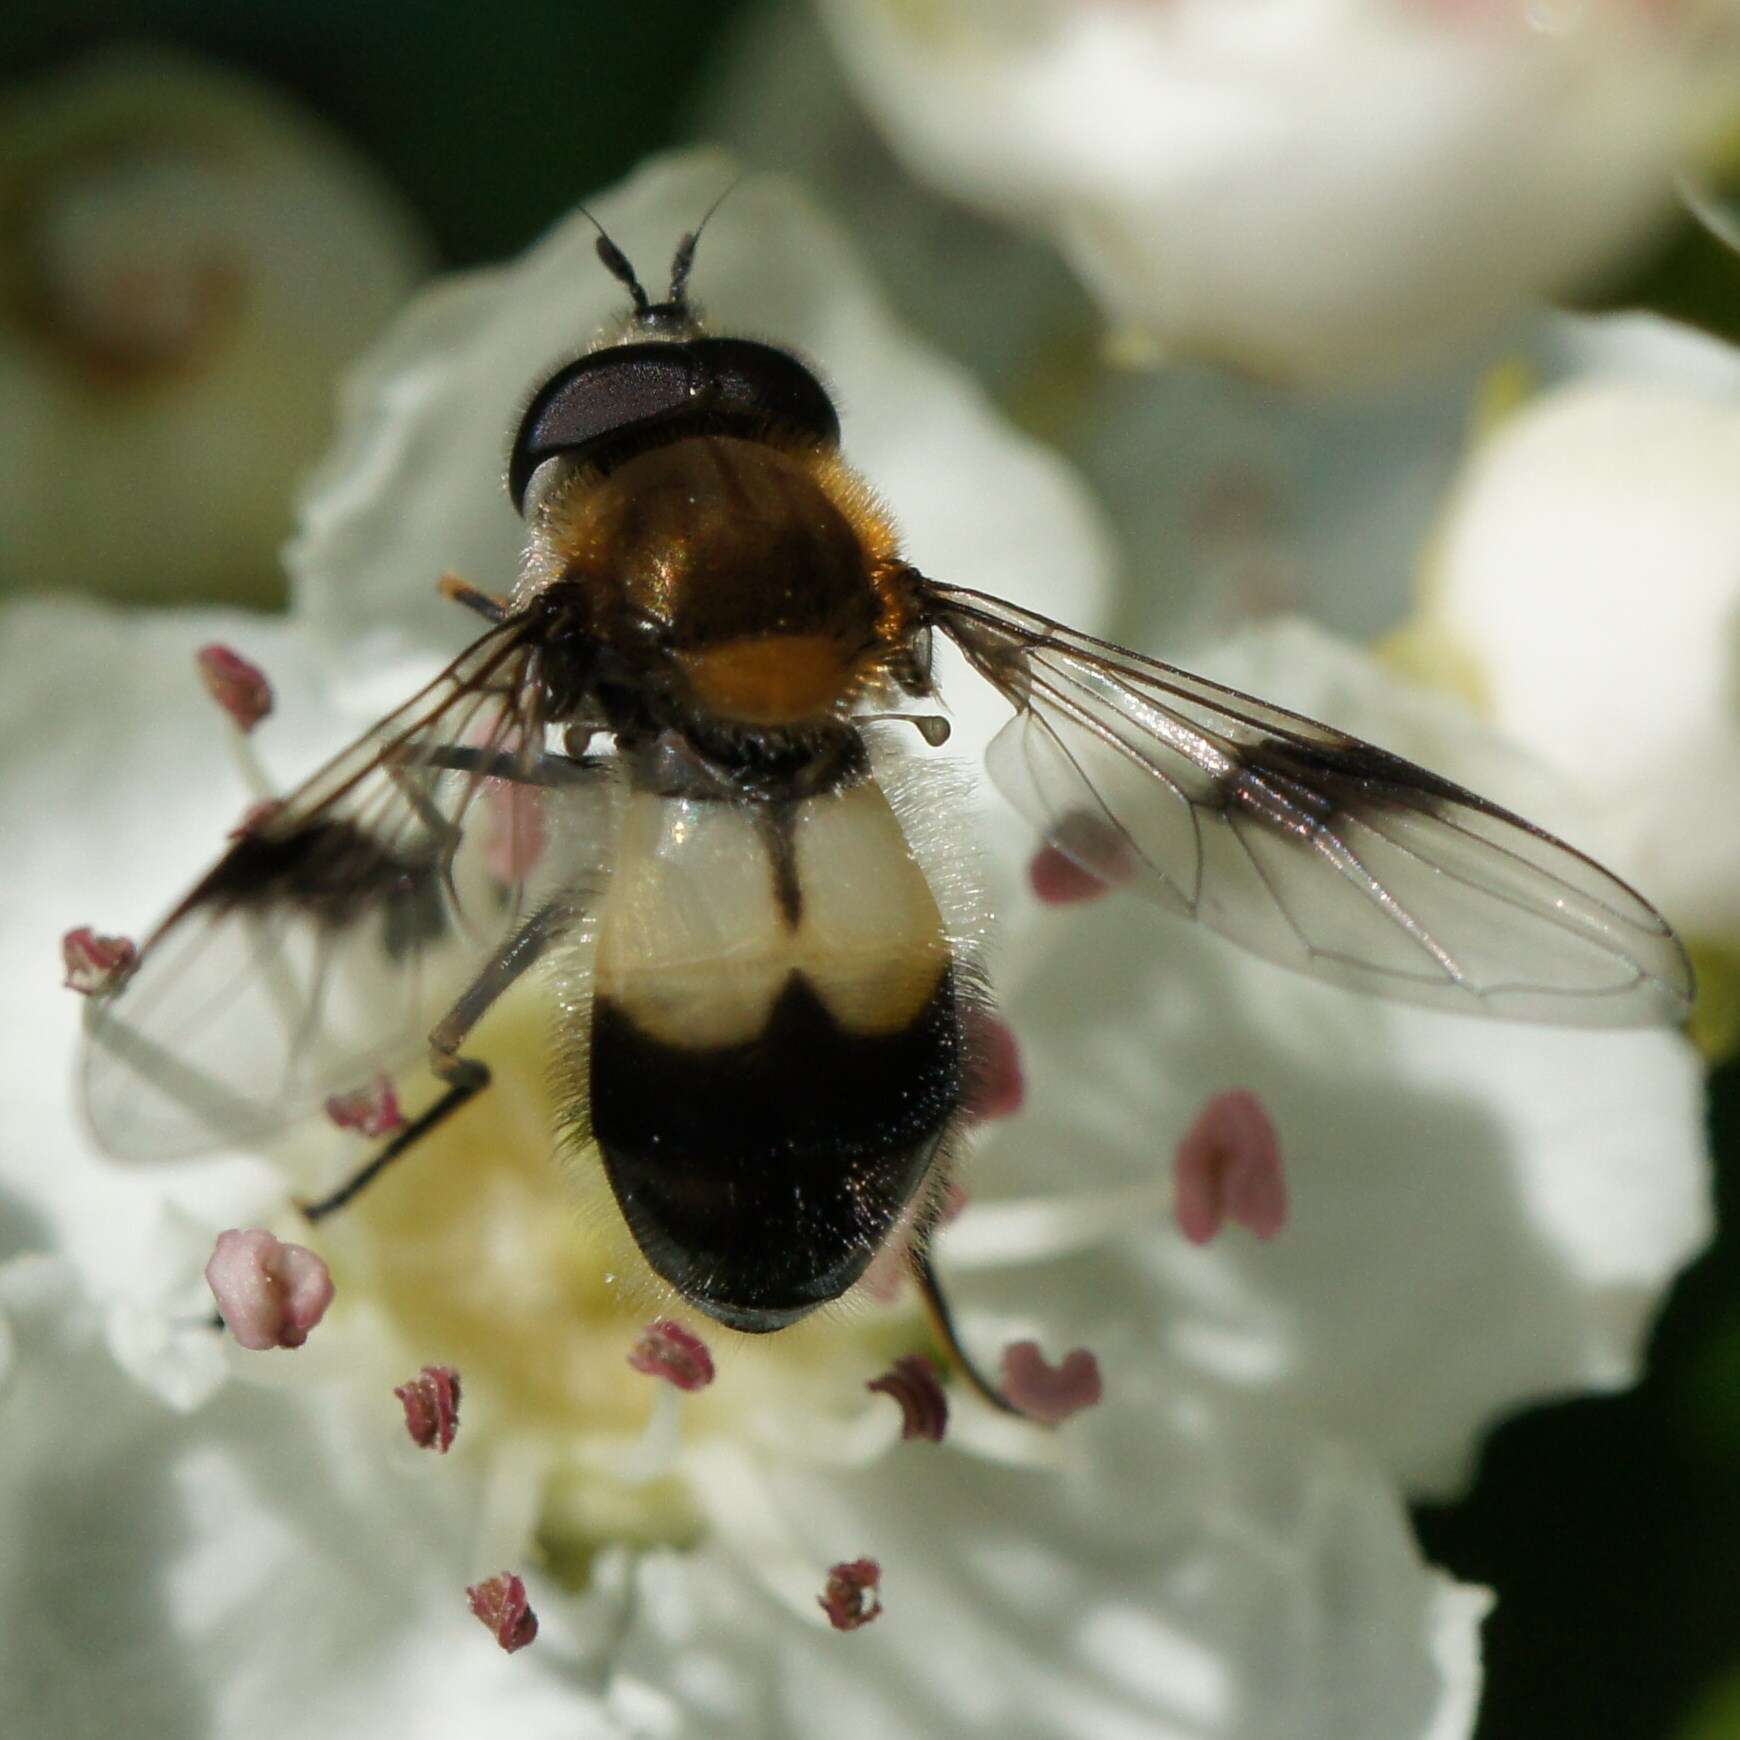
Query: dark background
490, 119
1609, 1526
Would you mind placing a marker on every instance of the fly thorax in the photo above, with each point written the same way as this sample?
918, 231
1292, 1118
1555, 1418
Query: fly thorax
751, 580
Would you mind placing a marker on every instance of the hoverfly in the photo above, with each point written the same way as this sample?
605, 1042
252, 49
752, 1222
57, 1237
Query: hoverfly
659, 743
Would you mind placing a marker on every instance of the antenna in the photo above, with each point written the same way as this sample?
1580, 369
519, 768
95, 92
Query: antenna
674, 311
682, 262
617, 264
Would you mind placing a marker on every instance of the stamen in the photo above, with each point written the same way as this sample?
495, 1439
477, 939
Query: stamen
655, 1452
502, 1605
96, 966
371, 1111
667, 1350
431, 1401
236, 684
999, 1086
255, 817
241, 689
517, 836
916, 1386
886, 1275
942, 1321
1229, 1163
1060, 881
890, 1267
1083, 859
1050, 1393
271, 1294
853, 1596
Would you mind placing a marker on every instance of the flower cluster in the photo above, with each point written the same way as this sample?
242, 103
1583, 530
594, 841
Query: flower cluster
1318, 192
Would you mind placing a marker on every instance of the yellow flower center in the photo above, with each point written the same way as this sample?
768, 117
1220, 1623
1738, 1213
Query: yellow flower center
485, 1250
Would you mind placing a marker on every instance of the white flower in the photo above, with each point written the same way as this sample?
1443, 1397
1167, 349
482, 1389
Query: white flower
1305, 189
1217, 1550
1586, 589
189, 262
1185, 1565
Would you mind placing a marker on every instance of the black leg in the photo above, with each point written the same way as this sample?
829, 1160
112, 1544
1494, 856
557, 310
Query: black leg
463, 592
547, 770
465, 1077
943, 1322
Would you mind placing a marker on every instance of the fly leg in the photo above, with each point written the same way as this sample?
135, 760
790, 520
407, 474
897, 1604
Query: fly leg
492, 609
466, 1077
942, 1320
548, 769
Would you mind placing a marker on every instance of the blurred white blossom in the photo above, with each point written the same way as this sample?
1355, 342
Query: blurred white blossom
188, 261
1482, 1214
1584, 591
1231, 498
1307, 190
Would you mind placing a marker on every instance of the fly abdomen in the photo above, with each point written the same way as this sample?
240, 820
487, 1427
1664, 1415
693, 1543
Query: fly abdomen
776, 1047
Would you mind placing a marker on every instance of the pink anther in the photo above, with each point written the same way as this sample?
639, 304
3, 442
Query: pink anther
236, 684
891, 1267
1060, 881
667, 1350
517, 835
255, 817
371, 1111
916, 1387
96, 966
502, 1605
853, 1596
271, 1294
1050, 1393
431, 1402
1084, 857
998, 1086
1229, 1165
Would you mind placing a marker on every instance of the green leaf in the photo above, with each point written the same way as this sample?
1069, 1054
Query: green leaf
1692, 276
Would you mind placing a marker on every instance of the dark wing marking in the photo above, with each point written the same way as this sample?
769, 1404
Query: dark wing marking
339, 926
1303, 844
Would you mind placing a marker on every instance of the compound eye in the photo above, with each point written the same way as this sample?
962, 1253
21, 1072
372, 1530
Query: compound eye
760, 385
602, 396
626, 396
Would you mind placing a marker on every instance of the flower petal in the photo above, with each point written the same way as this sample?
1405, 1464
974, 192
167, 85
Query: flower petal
254, 1562
1192, 1572
1590, 573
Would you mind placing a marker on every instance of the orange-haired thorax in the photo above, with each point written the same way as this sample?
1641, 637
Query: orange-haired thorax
764, 580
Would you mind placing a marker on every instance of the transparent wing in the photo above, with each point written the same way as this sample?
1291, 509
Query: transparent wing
341, 924
1303, 844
